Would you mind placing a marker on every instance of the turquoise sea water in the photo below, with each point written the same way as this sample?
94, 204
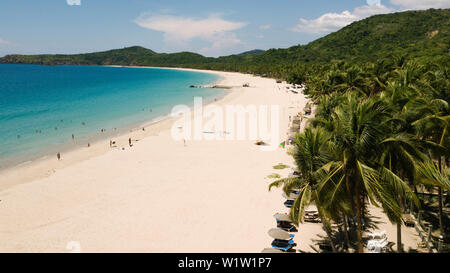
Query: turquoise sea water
42, 106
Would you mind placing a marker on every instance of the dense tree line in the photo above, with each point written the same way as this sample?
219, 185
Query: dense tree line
380, 131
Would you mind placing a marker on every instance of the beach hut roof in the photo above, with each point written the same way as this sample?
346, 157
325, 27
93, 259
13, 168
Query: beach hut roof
279, 234
282, 217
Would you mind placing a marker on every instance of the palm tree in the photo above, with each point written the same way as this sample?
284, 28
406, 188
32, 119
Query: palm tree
354, 80
382, 119
399, 155
435, 128
310, 154
377, 77
358, 131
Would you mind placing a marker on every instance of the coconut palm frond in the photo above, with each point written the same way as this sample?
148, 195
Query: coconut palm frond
300, 203
328, 174
398, 186
370, 181
429, 174
285, 181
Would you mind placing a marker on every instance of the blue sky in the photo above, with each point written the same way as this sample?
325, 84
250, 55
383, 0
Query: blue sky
209, 27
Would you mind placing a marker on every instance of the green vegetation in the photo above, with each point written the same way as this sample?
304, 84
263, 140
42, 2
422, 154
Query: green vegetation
273, 176
252, 52
412, 34
379, 136
131, 56
280, 166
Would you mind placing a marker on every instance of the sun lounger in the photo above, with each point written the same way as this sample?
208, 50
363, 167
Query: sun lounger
286, 226
312, 219
376, 246
283, 245
377, 235
289, 203
284, 241
283, 248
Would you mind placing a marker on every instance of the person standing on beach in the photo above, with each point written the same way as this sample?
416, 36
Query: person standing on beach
58, 155
129, 141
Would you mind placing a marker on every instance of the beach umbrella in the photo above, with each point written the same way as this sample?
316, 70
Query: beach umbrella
282, 217
271, 250
292, 196
279, 234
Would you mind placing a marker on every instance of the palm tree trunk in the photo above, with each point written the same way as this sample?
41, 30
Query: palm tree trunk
441, 220
399, 227
363, 208
346, 238
349, 193
416, 192
324, 223
399, 238
330, 238
358, 217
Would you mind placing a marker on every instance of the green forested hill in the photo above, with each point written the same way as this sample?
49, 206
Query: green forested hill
410, 34
252, 52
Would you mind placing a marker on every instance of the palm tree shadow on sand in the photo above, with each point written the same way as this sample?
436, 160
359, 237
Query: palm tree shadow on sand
371, 224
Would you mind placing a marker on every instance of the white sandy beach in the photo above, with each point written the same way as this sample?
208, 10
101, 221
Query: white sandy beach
159, 195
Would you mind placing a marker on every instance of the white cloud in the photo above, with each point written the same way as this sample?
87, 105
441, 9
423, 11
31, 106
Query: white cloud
333, 21
265, 27
421, 4
73, 2
213, 29
180, 28
220, 42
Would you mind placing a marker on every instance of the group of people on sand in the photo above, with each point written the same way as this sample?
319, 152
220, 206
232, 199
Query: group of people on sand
113, 142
